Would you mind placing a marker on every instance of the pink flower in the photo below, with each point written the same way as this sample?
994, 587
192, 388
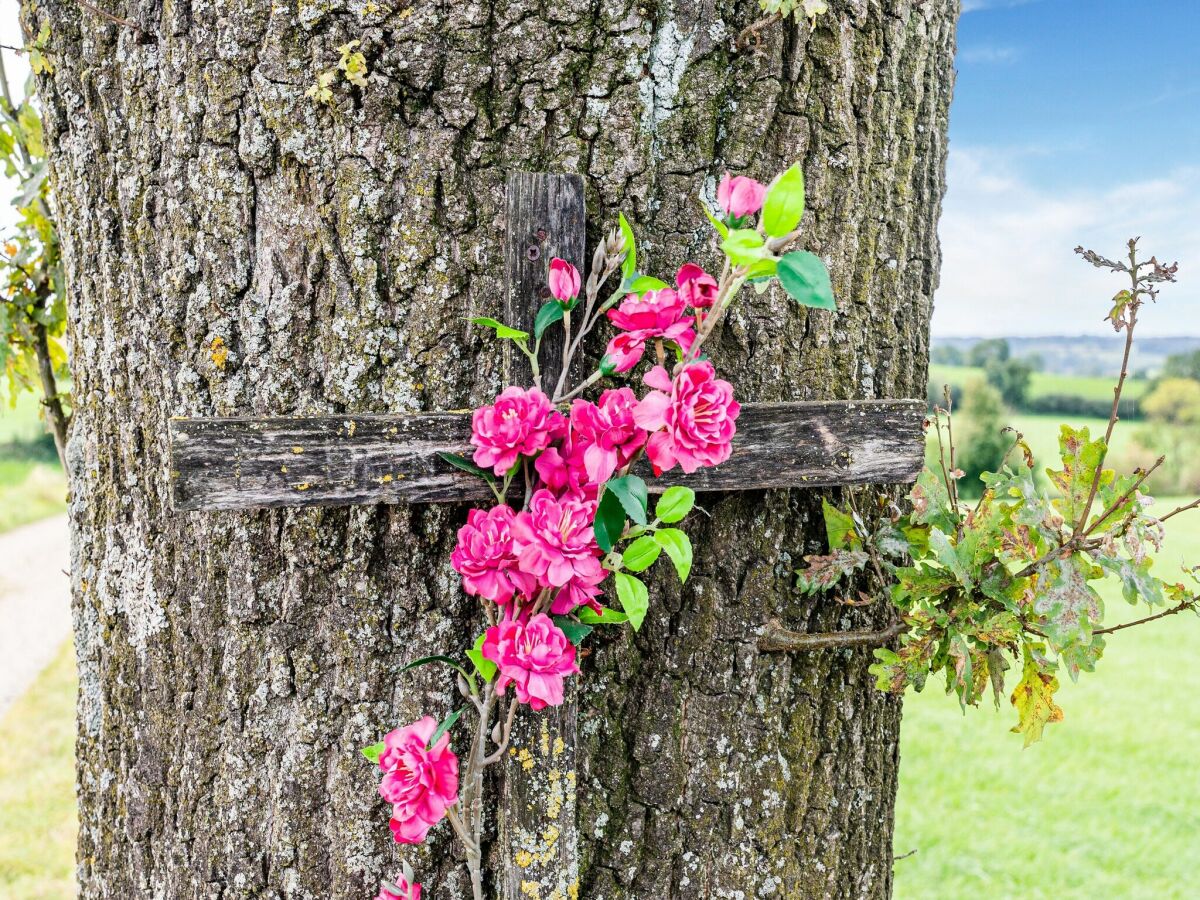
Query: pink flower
553, 539
607, 432
485, 558
535, 656
561, 470
574, 594
520, 422
625, 350
564, 280
403, 889
696, 414
660, 313
697, 288
420, 783
740, 196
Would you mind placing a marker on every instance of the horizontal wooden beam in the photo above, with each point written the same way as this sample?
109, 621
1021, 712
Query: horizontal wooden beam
247, 463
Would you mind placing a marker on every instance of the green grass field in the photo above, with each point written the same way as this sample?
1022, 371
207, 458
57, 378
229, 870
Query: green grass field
1107, 805
1043, 384
37, 788
31, 487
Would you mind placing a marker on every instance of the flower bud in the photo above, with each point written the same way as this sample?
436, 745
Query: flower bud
740, 196
564, 280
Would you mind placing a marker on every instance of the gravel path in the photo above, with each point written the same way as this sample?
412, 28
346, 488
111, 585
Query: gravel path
35, 602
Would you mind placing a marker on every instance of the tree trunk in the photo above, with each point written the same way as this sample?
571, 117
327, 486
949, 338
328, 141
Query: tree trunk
235, 247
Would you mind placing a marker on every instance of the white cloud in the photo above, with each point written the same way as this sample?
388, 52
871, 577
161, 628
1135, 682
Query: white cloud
986, 54
1008, 265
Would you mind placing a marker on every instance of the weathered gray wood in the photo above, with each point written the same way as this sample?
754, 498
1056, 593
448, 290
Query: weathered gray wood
537, 853
245, 463
545, 219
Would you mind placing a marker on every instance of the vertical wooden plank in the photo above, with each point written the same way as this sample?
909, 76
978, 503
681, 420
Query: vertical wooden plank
539, 847
546, 218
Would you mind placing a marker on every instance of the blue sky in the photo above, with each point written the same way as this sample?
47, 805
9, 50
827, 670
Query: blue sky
1074, 121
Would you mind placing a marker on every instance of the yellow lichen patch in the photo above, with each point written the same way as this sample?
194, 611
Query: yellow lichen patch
550, 835
573, 891
297, 449
283, 469
545, 739
386, 478
218, 352
302, 486
531, 889
559, 746
526, 759
351, 427
523, 858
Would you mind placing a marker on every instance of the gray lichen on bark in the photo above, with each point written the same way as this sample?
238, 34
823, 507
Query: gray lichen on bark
233, 247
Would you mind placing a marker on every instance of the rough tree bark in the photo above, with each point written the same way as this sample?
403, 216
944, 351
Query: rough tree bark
234, 247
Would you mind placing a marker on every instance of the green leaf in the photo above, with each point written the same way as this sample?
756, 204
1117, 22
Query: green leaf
1034, 700
373, 752
839, 528
643, 283
427, 660
550, 313
763, 271
678, 547
589, 616
1081, 459
445, 725
784, 206
805, 278
502, 330
634, 597
632, 493
744, 247
574, 631
484, 666
1068, 606
609, 521
722, 228
629, 264
461, 462
675, 503
641, 554
1137, 584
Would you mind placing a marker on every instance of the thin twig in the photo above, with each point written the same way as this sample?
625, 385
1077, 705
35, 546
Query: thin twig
776, 637
1193, 505
1178, 608
117, 20
1117, 504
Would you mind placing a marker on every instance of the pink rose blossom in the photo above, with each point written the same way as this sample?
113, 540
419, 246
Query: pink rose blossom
535, 656
403, 889
697, 288
561, 470
574, 594
660, 314
607, 432
740, 196
553, 539
691, 419
564, 280
420, 783
625, 350
520, 422
485, 558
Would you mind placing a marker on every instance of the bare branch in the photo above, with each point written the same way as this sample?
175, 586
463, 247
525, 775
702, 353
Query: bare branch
776, 637
1174, 610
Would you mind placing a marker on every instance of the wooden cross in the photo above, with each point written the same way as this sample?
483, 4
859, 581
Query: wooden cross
246, 463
